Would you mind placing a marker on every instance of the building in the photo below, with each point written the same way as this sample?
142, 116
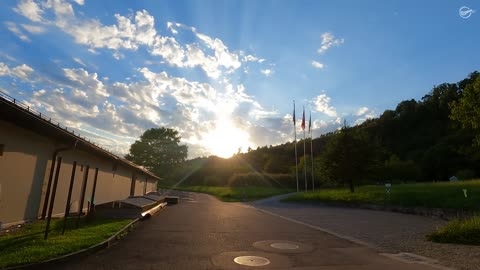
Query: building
33, 148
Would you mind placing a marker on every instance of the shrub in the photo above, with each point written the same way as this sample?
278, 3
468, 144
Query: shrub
465, 231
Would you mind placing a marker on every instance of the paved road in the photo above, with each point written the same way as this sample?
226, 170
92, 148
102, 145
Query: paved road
204, 233
391, 232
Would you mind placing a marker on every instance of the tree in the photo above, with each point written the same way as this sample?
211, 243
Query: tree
466, 110
158, 150
350, 156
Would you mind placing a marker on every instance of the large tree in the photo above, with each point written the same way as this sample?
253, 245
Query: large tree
467, 109
158, 150
350, 156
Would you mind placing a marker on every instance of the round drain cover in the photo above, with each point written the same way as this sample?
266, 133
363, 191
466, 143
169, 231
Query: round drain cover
251, 260
284, 246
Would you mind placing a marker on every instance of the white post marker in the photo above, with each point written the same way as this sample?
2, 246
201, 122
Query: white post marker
388, 188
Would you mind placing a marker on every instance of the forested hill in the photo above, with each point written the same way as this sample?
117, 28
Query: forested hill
421, 140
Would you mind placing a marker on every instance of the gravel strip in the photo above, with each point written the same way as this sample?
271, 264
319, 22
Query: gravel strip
391, 232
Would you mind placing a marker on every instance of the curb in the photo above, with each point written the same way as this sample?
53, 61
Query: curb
441, 213
83, 252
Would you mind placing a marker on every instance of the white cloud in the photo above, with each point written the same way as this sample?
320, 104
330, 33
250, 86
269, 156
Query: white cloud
361, 111
80, 2
79, 61
14, 29
34, 29
22, 71
318, 65
86, 81
322, 104
251, 58
30, 10
267, 72
328, 41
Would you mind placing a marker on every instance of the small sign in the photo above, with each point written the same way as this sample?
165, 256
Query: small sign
388, 188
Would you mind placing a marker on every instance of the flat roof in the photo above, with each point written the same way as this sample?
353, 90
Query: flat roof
20, 114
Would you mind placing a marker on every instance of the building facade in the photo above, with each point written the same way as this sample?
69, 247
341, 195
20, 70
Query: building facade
33, 148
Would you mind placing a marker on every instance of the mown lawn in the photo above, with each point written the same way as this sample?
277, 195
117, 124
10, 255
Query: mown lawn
458, 232
237, 194
432, 195
27, 245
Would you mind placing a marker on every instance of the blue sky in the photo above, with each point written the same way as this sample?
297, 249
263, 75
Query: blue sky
224, 73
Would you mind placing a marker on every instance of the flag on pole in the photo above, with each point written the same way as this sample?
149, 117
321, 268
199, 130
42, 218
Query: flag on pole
294, 113
303, 119
295, 143
310, 123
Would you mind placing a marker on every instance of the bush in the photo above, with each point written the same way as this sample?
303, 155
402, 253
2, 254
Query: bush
261, 180
465, 174
458, 232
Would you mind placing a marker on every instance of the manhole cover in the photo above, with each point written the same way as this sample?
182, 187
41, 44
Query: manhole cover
284, 246
251, 260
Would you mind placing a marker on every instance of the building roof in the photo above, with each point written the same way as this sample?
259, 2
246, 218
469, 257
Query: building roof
20, 114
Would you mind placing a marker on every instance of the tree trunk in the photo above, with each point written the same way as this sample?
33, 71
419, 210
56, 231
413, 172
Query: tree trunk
352, 188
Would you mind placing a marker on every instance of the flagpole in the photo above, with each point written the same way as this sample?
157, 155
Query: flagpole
311, 150
295, 142
304, 151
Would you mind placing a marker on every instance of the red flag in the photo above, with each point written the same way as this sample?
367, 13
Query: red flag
303, 119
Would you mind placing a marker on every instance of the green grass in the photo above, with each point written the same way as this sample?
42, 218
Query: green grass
458, 232
431, 195
237, 194
27, 245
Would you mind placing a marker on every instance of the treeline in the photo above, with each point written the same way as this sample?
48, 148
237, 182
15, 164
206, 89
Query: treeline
430, 139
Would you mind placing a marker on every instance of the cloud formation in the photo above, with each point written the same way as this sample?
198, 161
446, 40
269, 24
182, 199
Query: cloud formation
318, 65
328, 41
115, 112
322, 105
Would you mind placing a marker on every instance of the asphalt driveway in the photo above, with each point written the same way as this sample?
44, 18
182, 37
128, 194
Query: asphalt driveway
204, 233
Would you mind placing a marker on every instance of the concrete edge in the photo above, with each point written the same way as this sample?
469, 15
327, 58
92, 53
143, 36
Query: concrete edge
424, 260
102, 245
440, 213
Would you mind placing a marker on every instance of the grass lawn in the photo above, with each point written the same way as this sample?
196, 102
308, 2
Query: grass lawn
27, 245
433, 195
458, 232
237, 194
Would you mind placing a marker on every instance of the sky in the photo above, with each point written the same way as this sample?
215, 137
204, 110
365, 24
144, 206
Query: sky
225, 73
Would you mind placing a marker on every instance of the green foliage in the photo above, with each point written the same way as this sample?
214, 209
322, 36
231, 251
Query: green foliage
158, 150
466, 109
431, 195
349, 157
458, 232
397, 170
27, 246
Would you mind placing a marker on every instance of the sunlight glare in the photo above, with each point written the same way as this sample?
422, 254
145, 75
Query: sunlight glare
226, 139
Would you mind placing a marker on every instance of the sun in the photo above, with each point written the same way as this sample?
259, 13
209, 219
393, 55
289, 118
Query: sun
226, 139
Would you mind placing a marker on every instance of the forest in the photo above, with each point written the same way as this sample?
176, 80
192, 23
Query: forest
425, 140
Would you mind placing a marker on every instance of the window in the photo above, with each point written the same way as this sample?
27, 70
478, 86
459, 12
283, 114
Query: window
2, 147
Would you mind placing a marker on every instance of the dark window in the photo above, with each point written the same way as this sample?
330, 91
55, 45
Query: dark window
2, 146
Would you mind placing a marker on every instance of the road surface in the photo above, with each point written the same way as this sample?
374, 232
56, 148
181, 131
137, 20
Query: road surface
204, 233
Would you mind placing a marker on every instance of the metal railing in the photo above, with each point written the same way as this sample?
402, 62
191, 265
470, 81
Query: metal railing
44, 117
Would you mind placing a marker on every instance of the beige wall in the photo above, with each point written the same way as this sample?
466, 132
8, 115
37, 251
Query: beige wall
24, 172
23, 167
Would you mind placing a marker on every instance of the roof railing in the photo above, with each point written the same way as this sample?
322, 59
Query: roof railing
16, 102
